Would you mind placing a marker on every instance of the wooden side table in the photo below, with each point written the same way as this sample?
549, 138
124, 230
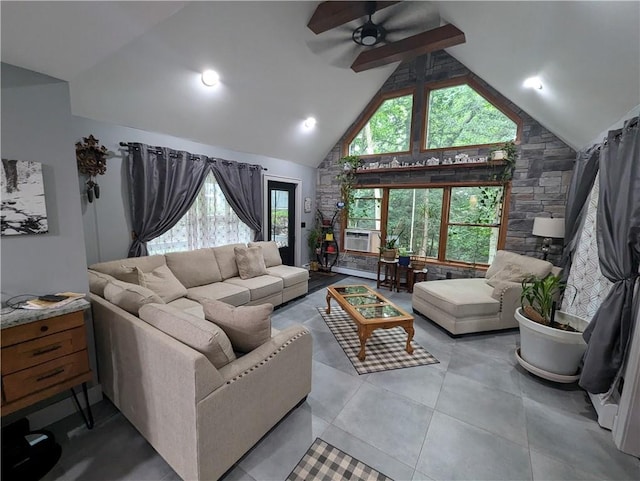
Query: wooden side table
44, 352
390, 272
406, 273
418, 276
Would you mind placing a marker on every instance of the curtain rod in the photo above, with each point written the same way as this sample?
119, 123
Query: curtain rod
127, 145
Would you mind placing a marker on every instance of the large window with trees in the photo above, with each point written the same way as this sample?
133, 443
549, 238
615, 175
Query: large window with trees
386, 127
457, 115
455, 223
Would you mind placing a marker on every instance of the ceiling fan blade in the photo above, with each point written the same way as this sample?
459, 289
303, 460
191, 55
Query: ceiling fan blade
380, 18
345, 59
320, 46
415, 25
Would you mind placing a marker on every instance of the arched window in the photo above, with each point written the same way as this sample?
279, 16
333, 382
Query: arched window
460, 113
385, 127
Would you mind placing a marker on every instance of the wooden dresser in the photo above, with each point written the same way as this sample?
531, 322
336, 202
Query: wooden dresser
44, 352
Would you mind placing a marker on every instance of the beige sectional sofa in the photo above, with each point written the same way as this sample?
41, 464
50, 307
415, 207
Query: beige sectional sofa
464, 306
200, 379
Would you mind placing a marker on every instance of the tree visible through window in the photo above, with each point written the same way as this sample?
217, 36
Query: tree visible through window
469, 229
387, 130
209, 222
459, 116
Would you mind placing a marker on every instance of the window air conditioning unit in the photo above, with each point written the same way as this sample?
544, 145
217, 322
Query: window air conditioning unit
359, 240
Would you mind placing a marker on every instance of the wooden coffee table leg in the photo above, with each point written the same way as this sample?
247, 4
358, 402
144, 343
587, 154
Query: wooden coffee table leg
410, 332
363, 334
328, 310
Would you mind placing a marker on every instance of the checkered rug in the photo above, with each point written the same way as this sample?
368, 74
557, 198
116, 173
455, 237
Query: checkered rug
385, 348
323, 462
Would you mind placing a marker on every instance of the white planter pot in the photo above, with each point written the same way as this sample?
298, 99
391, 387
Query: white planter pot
552, 350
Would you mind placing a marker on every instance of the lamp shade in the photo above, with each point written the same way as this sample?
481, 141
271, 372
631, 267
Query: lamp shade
548, 227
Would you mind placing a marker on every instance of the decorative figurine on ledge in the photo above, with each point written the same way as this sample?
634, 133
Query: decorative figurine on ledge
92, 161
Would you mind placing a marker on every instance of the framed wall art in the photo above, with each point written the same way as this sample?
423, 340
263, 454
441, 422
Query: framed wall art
23, 209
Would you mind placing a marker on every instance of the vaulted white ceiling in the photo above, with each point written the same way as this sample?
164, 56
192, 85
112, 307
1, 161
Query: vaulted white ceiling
137, 64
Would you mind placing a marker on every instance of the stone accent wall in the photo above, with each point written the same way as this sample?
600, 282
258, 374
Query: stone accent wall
540, 180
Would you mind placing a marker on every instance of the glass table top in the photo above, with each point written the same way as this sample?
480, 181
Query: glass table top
362, 300
378, 312
352, 290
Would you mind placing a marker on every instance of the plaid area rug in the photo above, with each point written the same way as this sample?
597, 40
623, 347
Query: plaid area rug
385, 348
323, 462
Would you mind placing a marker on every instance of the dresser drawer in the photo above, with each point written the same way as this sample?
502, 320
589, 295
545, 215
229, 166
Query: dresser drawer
36, 378
34, 330
44, 349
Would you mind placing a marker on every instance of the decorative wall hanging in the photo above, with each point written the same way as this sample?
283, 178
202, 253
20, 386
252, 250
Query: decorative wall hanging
23, 208
92, 161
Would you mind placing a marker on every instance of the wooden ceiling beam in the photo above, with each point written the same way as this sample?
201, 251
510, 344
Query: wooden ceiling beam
330, 15
410, 47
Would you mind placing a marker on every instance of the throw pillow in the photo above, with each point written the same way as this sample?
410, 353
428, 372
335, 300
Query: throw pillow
203, 336
130, 297
98, 281
250, 262
162, 281
270, 252
247, 326
509, 273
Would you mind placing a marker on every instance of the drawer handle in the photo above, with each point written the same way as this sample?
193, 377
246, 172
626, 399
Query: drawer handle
44, 328
52, 374
46, 350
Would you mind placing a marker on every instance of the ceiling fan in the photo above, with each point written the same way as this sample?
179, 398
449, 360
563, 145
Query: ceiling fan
337, 21
369, 33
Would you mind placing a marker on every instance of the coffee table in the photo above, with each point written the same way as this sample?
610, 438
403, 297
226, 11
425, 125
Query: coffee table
370, 311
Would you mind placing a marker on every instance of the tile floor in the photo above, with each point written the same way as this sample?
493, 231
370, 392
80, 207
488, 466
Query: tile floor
475, 416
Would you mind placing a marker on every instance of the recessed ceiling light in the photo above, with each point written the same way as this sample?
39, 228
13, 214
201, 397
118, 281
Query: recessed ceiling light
533, 83
309, 123
210, 78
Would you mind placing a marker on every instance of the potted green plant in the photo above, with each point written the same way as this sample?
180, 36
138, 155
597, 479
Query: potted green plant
314, 239
507, 153
347, 177
404, 259
551, 344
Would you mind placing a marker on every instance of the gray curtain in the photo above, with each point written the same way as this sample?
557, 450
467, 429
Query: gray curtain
242, 187
584, 175
163, 184
618, 236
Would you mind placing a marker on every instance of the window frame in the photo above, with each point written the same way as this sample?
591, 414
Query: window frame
371, 109
444, 216
480, 90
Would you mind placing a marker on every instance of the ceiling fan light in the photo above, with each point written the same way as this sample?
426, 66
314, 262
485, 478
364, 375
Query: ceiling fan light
210, 78
369, 35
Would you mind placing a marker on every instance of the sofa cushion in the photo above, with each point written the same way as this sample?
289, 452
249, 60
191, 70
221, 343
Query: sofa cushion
250, 262
459, 297
531, 265
194, 268
259, 287
290, 275
130, 297
98, 281
201, 335
221, 291
189, 306
246, 326
124, 269
270, 252
226, 258
162, 281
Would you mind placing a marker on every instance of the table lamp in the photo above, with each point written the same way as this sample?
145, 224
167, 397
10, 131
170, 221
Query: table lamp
549, 228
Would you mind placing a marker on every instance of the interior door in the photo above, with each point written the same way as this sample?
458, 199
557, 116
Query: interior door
281, 218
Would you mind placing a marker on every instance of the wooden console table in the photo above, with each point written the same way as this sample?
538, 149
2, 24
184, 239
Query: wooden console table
44, 352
